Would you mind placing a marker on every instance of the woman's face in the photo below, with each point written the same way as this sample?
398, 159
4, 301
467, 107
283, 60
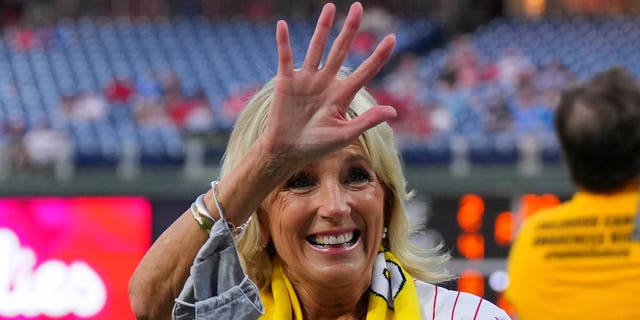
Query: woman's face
326, 221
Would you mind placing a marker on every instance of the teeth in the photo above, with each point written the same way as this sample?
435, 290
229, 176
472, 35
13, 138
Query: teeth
333, 240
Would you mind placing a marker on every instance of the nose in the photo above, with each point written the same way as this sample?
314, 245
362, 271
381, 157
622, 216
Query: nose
332, 199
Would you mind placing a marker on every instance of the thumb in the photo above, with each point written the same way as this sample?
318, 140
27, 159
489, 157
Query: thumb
370, 119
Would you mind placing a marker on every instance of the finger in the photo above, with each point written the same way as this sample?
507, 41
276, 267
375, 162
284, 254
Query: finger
285, 56
342, 44
368, 120
318, 41
369, 68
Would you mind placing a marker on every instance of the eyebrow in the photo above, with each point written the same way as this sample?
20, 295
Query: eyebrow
355, 157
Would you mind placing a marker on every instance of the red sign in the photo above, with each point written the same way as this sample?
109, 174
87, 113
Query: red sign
70, 258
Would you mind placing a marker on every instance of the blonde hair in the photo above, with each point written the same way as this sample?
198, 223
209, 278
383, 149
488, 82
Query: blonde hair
378, 142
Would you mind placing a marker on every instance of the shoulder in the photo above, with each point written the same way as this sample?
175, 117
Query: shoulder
440, 303
541, 218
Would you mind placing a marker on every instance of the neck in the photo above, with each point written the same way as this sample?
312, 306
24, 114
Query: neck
332, 303
630, 186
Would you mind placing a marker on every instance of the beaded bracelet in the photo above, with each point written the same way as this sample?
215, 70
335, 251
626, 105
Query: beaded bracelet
236, 231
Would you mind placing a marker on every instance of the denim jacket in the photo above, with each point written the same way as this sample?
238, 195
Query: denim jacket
217, 287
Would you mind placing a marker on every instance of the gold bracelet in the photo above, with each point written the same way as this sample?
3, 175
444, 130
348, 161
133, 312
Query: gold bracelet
202, 208
203, 222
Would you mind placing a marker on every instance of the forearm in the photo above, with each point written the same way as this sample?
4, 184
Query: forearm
242, 190
164, 269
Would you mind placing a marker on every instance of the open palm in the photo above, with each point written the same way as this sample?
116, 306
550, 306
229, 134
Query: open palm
307, 118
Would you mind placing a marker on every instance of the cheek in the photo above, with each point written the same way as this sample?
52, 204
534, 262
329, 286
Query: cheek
284, 216
371, 205
375, 199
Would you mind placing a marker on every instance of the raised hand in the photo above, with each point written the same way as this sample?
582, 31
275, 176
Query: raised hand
307, 118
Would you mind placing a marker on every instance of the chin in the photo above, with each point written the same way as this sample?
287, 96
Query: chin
347, 273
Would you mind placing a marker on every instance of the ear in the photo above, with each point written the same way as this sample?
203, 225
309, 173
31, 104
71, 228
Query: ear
263, 219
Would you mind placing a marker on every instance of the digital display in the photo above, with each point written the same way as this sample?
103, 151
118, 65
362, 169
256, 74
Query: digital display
475, 227
70, 257
478, 231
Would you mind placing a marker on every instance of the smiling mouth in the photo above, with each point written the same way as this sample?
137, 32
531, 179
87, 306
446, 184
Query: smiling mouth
344, 240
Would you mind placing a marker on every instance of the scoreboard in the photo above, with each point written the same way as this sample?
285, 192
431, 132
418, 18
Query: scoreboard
477, 231
478, 227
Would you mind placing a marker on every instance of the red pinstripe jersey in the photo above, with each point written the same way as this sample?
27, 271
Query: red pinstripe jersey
438, 303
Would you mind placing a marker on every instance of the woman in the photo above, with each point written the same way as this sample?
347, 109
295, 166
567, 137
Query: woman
313, 179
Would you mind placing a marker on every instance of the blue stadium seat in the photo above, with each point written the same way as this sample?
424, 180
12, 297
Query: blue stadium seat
222, 58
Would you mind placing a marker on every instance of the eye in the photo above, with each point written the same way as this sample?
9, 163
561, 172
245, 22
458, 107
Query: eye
300, 181
358, 176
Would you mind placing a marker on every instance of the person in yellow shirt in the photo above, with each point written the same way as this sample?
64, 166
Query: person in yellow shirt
579, 260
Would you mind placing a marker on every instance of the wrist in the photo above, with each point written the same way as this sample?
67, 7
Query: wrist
243, 188
278, 161
236, 231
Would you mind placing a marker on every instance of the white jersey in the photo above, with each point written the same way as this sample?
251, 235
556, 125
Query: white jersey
438, 303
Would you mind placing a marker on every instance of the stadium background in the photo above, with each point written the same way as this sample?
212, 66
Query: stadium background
114, 115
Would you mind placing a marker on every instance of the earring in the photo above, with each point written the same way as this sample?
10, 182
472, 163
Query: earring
384, 233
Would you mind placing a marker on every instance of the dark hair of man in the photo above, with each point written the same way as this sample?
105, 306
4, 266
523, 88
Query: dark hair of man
598, 125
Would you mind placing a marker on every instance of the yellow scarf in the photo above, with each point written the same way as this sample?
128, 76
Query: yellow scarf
392, 294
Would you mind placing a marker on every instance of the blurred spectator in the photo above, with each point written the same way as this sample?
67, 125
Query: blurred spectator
513, 67
200, 117
363, 44
18, 154
530, 118
402, 103
417, 127
119, 90
150, 114
401, 87
65, 107
403, 82
377, 23
149, 87
22, 38
497, 117
192, 114
463, 62
171, 84
452, 98
232, 106
88, 106
441, 120
553, 75
45, 145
